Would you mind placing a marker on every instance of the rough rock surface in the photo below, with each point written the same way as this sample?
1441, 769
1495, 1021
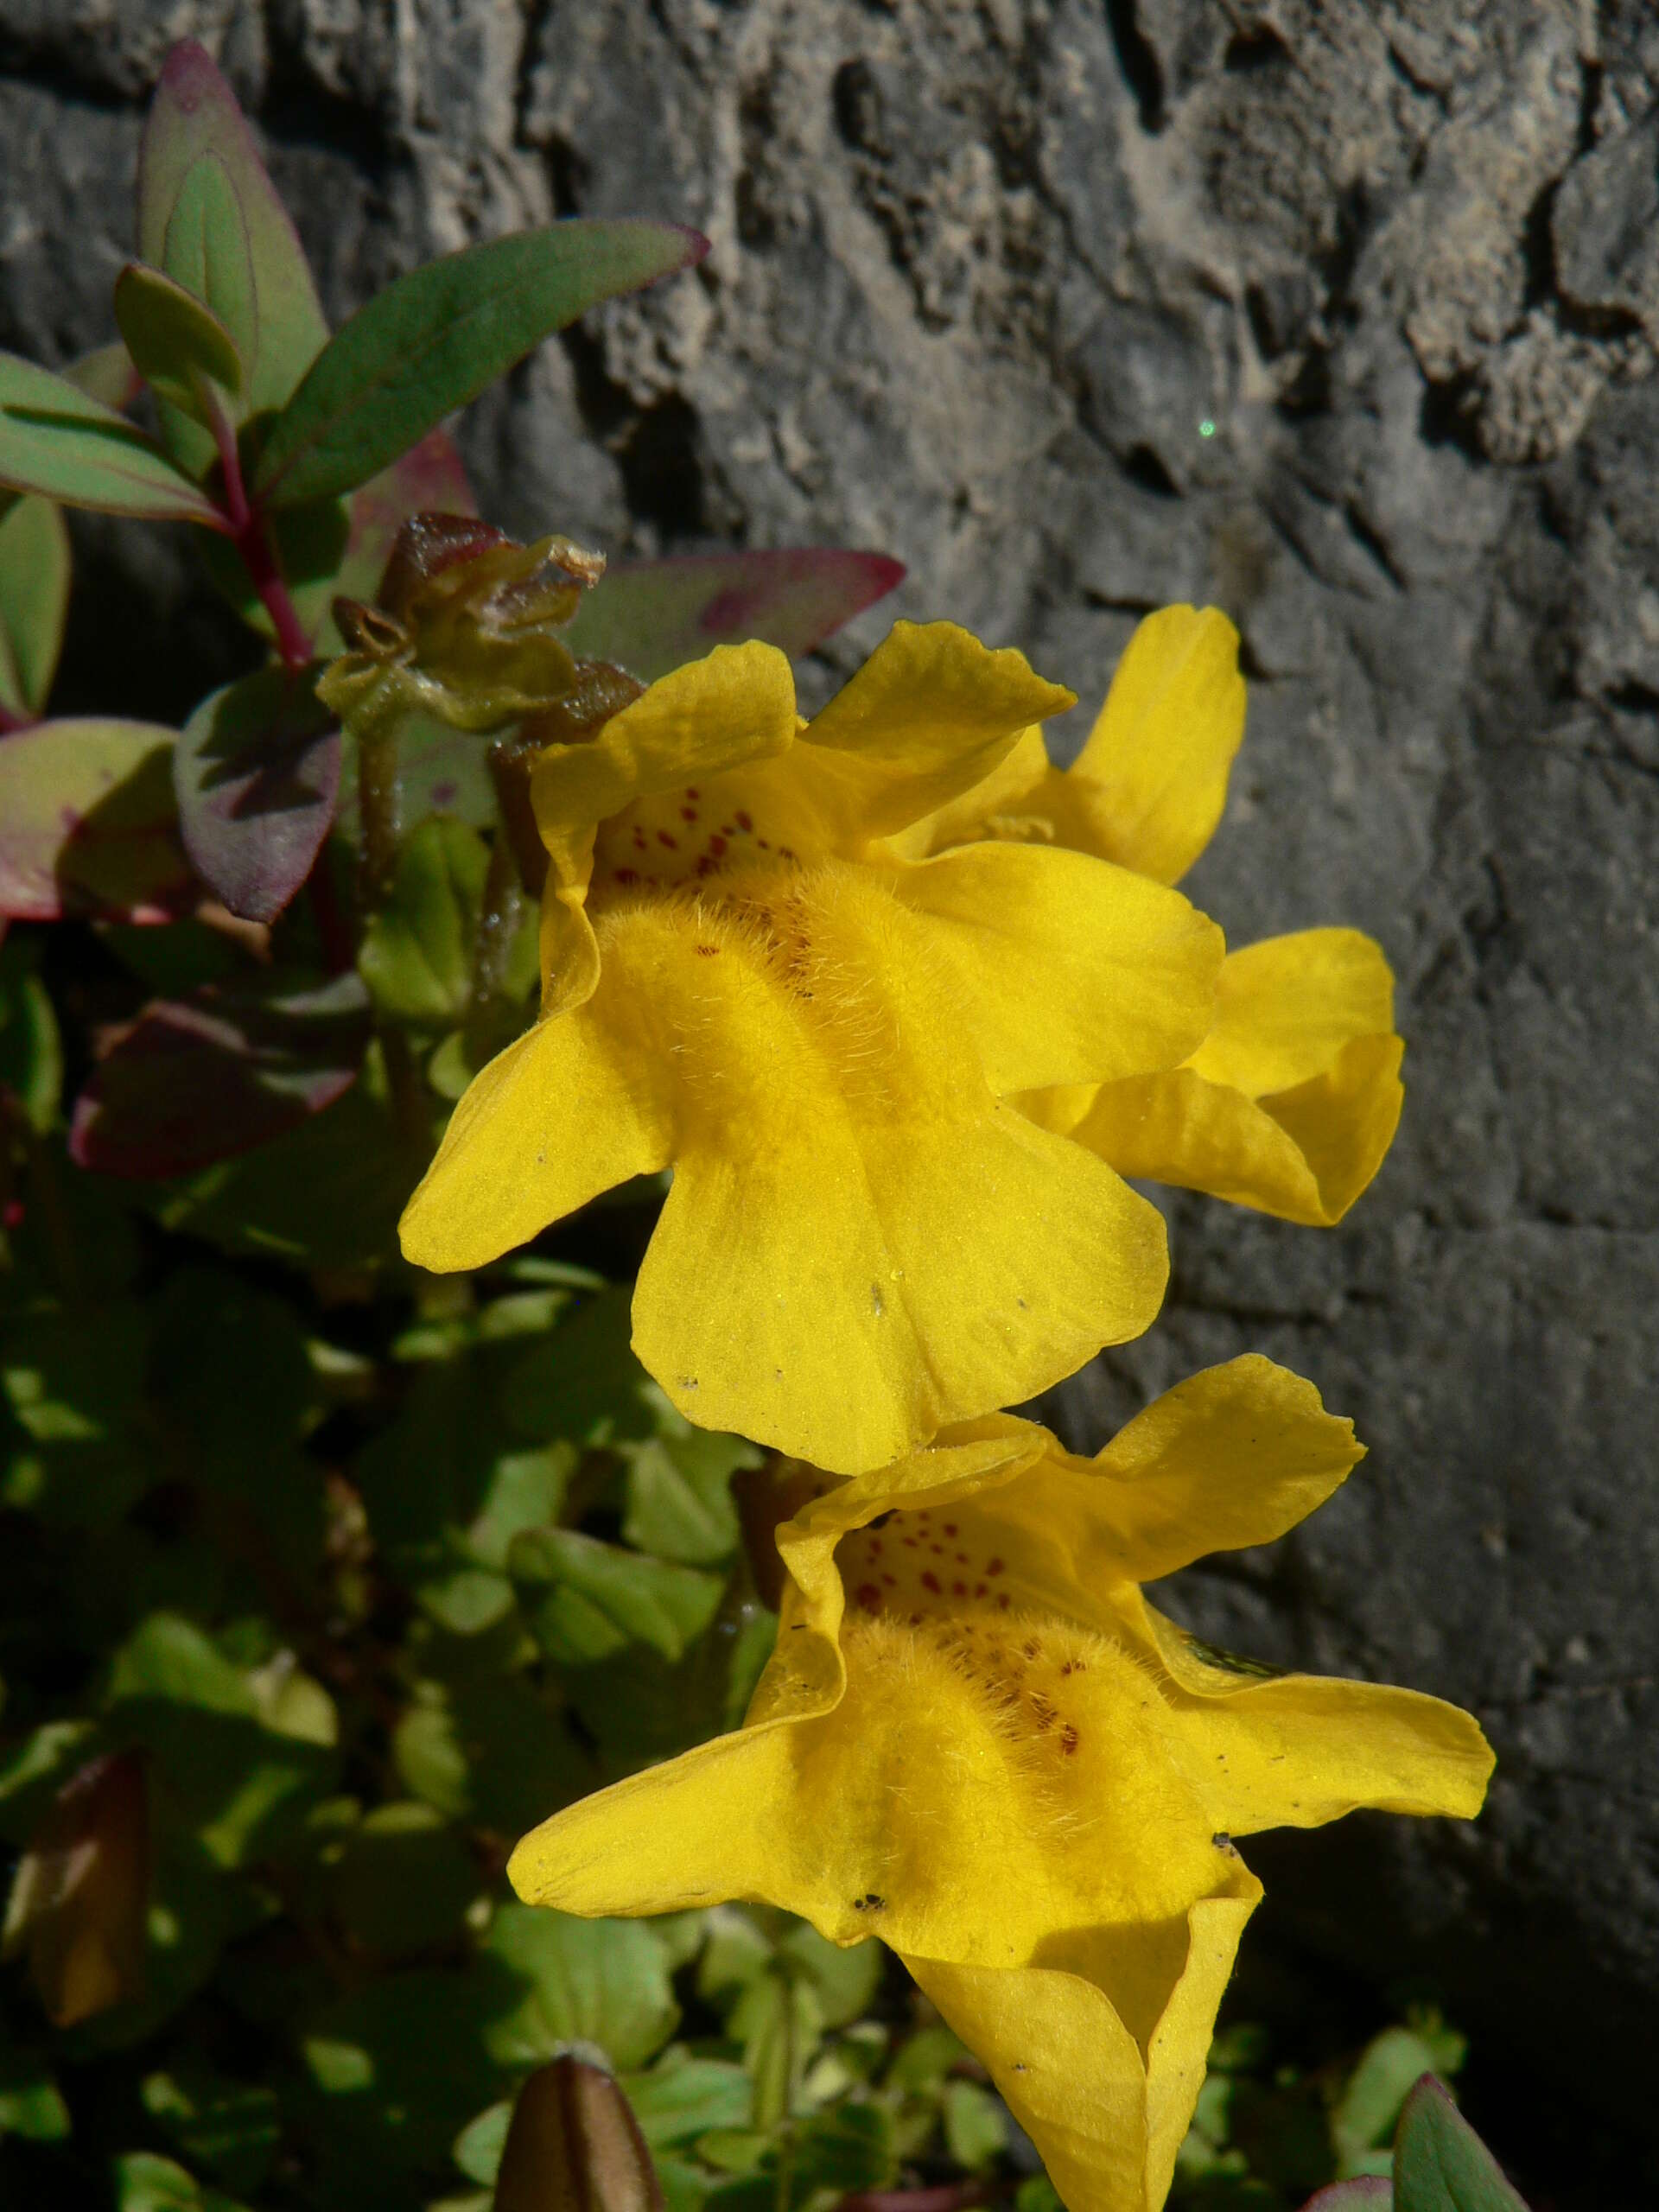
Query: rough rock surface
1342, 315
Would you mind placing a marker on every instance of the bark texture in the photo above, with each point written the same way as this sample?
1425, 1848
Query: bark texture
1342, 315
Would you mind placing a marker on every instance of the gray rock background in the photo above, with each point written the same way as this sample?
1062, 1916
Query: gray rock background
1341, 315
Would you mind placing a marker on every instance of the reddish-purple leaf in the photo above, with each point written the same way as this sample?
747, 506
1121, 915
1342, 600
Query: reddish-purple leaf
428, 479
202, 1079
88, 823
1372, 2190
257, 773
652, 616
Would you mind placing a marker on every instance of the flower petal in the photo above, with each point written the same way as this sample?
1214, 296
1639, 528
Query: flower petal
1159, 756
929, 715
880, 1815
1232, 1457
577, 1105
1067, 969
738, 705
1286, 1006
1304, 1155
1300, 1750
1106, 2120
861, 1243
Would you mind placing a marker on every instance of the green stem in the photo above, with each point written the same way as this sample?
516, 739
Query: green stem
374, 724
498, 924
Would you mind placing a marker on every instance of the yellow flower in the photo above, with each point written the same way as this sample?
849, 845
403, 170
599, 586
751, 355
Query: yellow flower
864, 1240
1291, 1100
977, 1740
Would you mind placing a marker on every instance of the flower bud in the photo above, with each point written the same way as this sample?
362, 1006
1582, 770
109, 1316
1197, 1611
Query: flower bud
81, 1893
573, 2145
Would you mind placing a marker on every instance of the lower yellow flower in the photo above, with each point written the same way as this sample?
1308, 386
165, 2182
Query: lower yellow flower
977, 1740
1292, 1101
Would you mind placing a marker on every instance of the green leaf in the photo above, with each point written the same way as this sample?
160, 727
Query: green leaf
433, 339
31, 2104
584, 1382
975, 2125
209, 216
74, 1386
417, 956
88, 823
849, 2149
844, 1978
257, 774
653, 616
178, 344
492, 1751
679, 1496
1441, 2165
106, 374
398, 2068
1378, 2087
53, 438
325, 1195
403, 1880
31, 1052
683, 2097
232, 2128
479, 2146
144, 2183
34, 599
598, 1981
587, 1600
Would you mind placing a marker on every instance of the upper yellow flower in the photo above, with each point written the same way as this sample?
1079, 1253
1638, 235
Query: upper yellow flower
1293, 1098
864, 1240
977, 1740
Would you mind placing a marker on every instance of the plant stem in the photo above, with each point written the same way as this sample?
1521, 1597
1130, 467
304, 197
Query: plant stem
498, 924
252, 542
375, 725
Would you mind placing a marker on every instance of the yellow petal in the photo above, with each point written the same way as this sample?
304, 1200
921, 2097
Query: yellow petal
1067, 967
880, 1815
1300, 1750
929, 715
1159, 756
994, 807
577, 1105
1286, 1007
1304, 1155
860, 1244
1107, 2118
1230, 1458
737, 705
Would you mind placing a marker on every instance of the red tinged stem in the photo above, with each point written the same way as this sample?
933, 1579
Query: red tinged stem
249, 536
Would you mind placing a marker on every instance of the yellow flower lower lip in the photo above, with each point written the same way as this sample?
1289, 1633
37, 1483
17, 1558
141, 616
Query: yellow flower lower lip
978, 1740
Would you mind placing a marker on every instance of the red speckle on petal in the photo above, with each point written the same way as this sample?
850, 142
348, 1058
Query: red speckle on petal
992, 1566
688, 814
931, 1581
869, 1596
744, 821
950, 1527
717, 846
664, 838
626, 875
708, 951
1068, 1739
958, 1589
691, 791
979, 1589
1004, 1602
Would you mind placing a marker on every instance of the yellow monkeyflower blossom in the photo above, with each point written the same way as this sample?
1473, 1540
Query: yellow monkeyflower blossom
1293, 1098
977, 1740
864, 1240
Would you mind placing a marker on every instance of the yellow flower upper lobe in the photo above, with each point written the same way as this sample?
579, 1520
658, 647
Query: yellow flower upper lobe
1293, 1097
865, 1239
978, 1740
